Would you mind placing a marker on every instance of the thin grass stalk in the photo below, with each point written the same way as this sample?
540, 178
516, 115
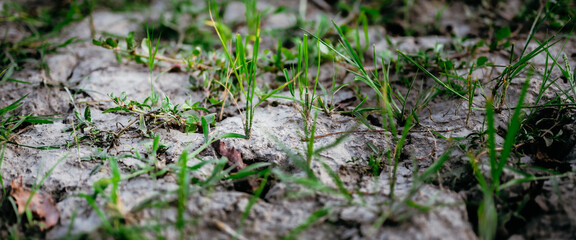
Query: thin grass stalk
298, 84
573, 82
338, 182
232, 63
37, 186
355, 59
254, 198
227, 53
436, 79
116, 178
491, 132
566, 71
251, 15
387, 108
183, 191
513, 128
544, 78
305, 83
310, 134
2, 152
397, 153
92, 202
316, 80
253, 73
471, 93
487, 216
314, 217
352, 58
152, 51
361, 20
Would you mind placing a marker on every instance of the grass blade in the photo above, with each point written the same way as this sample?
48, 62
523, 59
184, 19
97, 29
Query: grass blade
437, 80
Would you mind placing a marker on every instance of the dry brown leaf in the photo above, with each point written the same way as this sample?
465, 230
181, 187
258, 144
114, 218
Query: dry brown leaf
234, 156
41, 205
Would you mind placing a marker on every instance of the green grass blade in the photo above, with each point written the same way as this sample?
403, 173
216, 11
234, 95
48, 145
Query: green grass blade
12, 106
435, 167
254, 198
7, 73
397, 152
2, 152
314, 217
491, 132
92, 202
338, 182
182, 190
355, 59
205, 129
250, 170
438, 81
487, 218
513, 129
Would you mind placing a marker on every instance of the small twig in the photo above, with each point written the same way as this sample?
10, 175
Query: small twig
125, 128
538, 106
197, 66
95, 101
377, 131
497, 149
322, 4
18, 133
367, 68
228, 230
433, 149
343, 132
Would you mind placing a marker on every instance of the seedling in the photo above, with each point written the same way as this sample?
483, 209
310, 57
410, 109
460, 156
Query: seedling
245, 69
181, 117
487, 216
183, 175
152, 51
114, 213
302, 90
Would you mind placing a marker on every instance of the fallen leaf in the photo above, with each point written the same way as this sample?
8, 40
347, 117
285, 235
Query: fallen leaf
41, 205
234, 156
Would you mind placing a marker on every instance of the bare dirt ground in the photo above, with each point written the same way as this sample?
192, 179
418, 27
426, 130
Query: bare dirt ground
77, 172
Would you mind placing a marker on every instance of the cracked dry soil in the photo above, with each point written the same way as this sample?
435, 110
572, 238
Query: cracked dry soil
83, 75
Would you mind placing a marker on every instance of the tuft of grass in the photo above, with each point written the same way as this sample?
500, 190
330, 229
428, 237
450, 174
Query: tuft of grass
487, 214
306, 91
187, 117
393, 115
245, 68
